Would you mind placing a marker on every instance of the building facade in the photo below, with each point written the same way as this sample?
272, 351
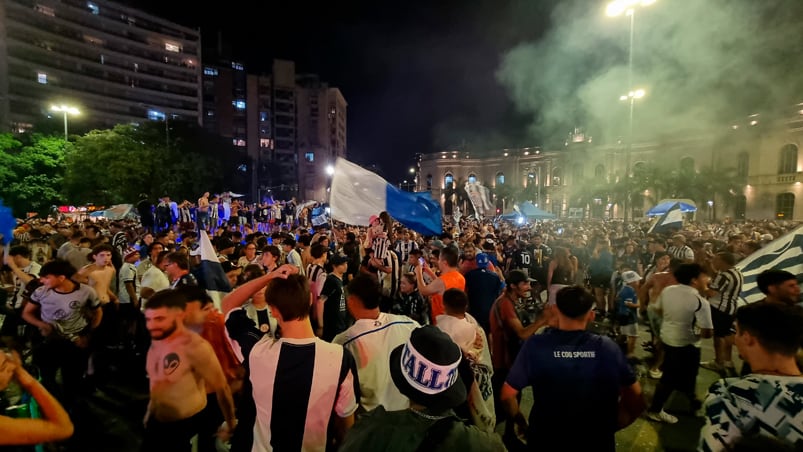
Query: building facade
291, 126
112, 63
321, 135
751, 169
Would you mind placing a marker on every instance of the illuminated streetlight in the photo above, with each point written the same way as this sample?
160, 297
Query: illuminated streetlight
66, 109
330, 170
412, 170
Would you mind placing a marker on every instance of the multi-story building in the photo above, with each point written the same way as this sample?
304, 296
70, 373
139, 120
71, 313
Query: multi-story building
321, 134
292, 127
752, 169
113, 63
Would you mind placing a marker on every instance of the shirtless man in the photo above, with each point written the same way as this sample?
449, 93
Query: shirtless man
99, 274
181, 367
648, 294
202, 213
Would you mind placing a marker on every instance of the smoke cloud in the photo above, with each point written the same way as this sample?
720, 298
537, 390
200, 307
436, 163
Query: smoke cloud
703, 64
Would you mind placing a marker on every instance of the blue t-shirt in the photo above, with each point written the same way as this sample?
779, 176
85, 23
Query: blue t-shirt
576, 378
626, 315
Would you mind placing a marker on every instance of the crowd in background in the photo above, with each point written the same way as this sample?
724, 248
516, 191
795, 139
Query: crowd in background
453, 315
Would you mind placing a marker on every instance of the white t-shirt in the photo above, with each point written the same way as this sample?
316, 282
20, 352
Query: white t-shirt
155, 279
371, 342
683, 309
128, 273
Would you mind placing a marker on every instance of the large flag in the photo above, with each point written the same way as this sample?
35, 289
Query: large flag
478, 195
783, 253
357, 193
213, 277
671, 219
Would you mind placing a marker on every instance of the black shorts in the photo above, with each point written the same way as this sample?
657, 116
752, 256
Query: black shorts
723, 323
601, 282
173, 436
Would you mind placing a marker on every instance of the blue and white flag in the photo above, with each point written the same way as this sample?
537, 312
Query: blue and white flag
357, 194
783, 253
213, 277
671, 219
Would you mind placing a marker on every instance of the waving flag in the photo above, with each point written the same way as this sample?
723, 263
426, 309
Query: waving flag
212, 275
357, 194
783, 253
7, 224
671, 219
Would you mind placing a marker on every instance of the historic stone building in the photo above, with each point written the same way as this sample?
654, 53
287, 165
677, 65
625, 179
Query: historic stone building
751, 169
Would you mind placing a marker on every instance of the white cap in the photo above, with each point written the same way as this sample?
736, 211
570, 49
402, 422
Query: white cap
630, 276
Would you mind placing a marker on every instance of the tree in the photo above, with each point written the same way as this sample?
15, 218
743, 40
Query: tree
31, 170
113, 166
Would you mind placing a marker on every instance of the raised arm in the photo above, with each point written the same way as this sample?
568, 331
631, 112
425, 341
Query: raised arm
55, 424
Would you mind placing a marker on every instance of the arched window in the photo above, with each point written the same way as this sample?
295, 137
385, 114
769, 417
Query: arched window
530, 178
687, 165
557, 176
429, 182
788, 163
640, 169
785, 206
577, 173
472, 178
500, 178
599, 172
448, 180
742, 164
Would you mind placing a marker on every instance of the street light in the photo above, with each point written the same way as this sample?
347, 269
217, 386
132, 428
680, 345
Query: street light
628, 7
630, 96
66, 109
330, 170
412, 170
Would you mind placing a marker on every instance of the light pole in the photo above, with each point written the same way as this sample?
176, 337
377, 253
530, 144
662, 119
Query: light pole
631, 97
65, 109
615, 9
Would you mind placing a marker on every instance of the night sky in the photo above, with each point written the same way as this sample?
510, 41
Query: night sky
418, 76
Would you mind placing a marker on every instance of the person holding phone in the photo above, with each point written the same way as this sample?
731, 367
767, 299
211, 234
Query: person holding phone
55, 424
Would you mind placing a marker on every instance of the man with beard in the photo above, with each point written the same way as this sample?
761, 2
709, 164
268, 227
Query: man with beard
181, 367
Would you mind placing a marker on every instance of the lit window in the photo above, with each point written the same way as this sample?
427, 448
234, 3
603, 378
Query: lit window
93, 7
156, 115
448, 180
500, 178
170, 47
210, 113
238, 142
472, 179
236, 66
238, 104
41, 77
263, 116
309, 156
46, 10
265, 143
210, 71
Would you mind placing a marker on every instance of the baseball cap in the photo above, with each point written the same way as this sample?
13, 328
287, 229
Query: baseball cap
130, 252
482, 260
630, 276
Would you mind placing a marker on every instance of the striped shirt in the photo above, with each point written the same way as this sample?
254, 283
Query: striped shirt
317, 276
403, 248
390, 281
728, 284
683, 253
370, 341
298, 384
380, 245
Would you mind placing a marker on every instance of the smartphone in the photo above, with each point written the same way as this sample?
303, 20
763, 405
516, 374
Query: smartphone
421, 261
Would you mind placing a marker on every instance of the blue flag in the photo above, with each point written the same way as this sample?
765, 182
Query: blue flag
671, 219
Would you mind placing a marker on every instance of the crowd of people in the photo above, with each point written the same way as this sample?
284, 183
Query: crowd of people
376, 338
